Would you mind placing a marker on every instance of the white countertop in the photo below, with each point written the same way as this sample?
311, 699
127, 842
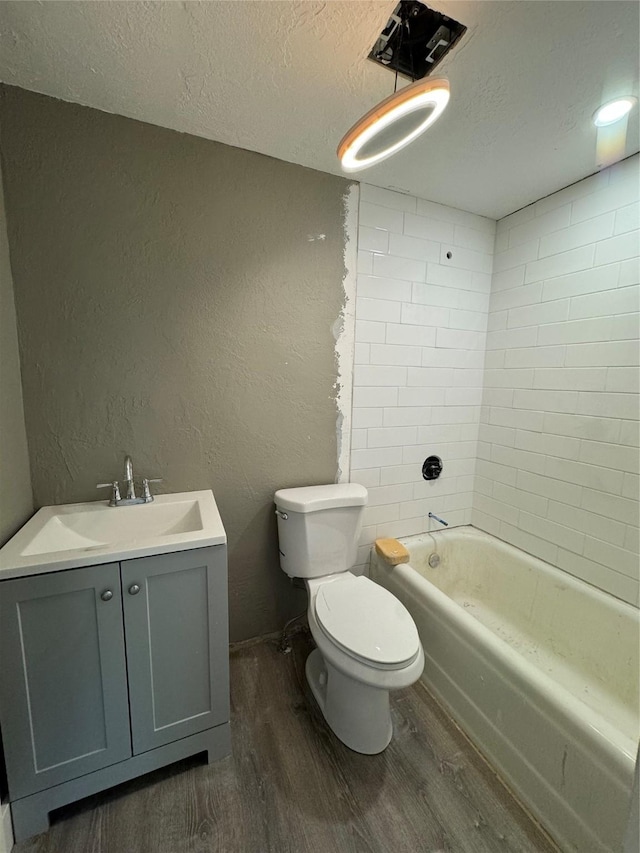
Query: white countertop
74, 535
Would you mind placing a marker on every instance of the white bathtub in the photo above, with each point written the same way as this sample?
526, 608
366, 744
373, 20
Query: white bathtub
540, 670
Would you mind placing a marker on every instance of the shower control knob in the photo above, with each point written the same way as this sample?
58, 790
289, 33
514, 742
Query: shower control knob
134, 589
432, 468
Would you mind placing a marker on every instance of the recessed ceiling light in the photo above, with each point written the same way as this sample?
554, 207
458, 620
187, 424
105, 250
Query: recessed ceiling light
393, 123
613, 111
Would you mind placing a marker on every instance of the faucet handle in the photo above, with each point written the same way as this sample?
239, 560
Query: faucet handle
115, 491
146, 493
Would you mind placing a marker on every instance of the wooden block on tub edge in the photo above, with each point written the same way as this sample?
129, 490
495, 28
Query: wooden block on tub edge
392, 551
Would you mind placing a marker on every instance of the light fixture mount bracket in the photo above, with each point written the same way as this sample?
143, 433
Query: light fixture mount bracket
415, 39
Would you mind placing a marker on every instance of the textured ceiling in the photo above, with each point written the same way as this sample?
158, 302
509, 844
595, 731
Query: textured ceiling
288, 79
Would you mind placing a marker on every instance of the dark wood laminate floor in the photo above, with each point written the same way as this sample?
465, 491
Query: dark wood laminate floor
292, 787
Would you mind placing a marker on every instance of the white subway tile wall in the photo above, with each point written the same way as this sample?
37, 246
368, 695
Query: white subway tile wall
424, 278
558, 454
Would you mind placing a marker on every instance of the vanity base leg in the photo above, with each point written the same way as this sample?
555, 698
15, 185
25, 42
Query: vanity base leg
30, 814
29, 817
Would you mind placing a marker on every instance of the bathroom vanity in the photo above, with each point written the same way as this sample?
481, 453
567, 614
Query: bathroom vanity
113, 654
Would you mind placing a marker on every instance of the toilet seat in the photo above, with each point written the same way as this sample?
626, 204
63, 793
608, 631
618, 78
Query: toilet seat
367, 622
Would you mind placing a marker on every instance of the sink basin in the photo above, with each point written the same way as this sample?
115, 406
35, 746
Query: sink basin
71, 535
90, 525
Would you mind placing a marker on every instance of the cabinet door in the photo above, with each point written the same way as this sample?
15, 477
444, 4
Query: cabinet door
63, 689
175, 616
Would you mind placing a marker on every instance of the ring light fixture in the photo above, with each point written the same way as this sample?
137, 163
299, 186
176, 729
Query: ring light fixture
393, 124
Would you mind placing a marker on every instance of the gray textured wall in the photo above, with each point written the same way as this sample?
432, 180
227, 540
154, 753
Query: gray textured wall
172, 305
16, 500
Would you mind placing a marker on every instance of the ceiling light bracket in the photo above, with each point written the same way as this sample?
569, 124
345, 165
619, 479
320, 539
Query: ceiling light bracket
415, 40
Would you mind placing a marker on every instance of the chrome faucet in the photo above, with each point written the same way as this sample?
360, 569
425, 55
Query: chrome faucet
128, 478
131, 498
437, 518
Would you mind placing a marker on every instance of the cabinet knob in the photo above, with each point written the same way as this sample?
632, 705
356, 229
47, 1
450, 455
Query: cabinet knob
134, 589
107, 595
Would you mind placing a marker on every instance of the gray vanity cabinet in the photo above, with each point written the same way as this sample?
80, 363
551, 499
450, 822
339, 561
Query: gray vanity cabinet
64, 677
175, 617
108, 672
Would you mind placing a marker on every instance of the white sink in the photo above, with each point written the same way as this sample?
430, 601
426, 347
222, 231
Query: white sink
63, 537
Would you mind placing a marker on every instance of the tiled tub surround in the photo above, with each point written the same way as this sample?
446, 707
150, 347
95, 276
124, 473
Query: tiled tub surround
424, 275
557, 471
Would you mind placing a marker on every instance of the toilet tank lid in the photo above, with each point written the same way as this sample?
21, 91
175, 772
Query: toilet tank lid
314, 498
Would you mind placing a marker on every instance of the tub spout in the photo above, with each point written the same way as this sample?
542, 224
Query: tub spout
437, 518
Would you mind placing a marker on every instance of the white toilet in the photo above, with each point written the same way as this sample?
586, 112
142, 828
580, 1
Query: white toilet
367, 642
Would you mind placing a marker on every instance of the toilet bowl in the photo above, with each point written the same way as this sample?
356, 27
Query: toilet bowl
366, 641
358, 660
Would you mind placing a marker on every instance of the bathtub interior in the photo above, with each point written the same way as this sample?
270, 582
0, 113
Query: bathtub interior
583, 639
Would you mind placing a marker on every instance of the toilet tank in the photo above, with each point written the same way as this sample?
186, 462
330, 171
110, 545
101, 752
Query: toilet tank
319, 528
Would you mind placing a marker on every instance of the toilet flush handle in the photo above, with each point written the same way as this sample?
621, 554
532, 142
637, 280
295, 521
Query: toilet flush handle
282, 515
